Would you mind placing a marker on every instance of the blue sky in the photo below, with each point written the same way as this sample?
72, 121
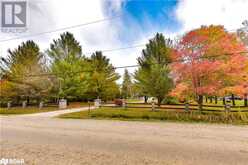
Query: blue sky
140, 20
144, 16
159, 13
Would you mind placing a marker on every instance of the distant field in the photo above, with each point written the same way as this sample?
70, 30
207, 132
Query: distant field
159, 115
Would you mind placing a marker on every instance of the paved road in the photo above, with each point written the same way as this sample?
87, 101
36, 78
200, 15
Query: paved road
42, 139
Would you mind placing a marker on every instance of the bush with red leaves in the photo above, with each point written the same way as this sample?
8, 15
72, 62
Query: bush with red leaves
118, 102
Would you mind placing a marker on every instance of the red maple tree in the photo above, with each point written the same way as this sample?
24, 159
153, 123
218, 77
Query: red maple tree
204, 61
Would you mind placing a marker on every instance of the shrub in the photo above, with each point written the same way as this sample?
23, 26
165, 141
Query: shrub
118, 102
170, 100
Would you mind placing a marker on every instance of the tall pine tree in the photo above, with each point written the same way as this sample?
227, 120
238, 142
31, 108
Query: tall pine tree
127, 85
153, 76
22, 67
69, 66
102, 82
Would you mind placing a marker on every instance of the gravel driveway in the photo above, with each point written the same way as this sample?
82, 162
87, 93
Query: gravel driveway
41, 139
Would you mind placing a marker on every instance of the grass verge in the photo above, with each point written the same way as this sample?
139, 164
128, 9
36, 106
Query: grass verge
159, 115
28, 110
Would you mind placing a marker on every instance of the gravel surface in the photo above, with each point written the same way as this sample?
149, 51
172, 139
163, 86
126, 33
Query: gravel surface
41, 139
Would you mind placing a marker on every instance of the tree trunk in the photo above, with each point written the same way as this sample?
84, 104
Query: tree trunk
159, 101
28, 100
18, 99
245, 101
206, 99
67, 101
216, 99
38, 100
224, 101
211, 99
233, 100
146, 98
200, 101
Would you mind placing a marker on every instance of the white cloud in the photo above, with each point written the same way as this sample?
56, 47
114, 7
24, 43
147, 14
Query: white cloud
115, 5
46, 15
194, 13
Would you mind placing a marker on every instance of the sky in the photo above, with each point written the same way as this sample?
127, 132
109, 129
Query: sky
133, 23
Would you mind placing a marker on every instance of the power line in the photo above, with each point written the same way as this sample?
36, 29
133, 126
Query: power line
133, 66
61, 29
80, 25
128, 66
128, 47
138, 45
118, 49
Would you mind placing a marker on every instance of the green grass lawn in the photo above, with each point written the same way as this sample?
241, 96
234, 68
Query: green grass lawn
79, 104
159, 115
219, 107
134, 101
220, 102
33, 109
28, 110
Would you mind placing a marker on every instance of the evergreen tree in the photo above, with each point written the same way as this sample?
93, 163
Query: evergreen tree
102, 78
153, 76
22, 67
127, 85
69, 66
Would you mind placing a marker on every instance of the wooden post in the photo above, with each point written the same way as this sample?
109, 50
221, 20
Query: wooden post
200, 101
227, 110
145, 98
233, 100
186, 107
216, 99
88, 107
246, 100
224, 100
153, 104
211, 99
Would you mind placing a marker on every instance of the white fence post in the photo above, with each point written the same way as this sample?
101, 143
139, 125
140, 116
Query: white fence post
24, 104
9, 105
62, 104
41, 105
97, 103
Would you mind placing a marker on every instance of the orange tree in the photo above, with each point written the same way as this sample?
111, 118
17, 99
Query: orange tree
202, 60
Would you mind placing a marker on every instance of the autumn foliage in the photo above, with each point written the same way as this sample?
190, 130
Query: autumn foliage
212, 62
205, 62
